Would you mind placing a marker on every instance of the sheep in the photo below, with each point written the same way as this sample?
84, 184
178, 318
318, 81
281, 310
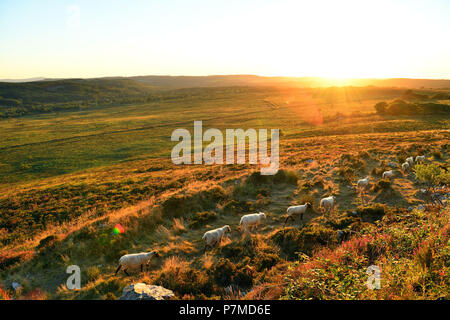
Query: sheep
215, 236
387, 174
134, 260
410, 160
297, 210
362, 183
405, 166
251, 220
420, 159
327, 203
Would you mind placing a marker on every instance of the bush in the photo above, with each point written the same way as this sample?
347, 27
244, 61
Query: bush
223, 272
93, 273
430, 174
47, 243
437, 154
373, 212
380, 107
286, 176
292, 240
383, 184
201, 218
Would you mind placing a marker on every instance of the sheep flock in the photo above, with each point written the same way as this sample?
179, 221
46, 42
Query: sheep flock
249, 222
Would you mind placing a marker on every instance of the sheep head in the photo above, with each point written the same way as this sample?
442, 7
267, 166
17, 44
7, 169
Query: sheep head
227, 228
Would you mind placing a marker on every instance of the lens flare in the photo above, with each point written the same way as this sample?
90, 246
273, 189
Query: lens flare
118, 229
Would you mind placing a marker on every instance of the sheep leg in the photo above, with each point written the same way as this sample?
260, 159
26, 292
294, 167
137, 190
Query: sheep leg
285, 221
118, 268
125, 271
142, 267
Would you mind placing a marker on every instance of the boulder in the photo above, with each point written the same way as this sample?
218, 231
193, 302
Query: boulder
142, 291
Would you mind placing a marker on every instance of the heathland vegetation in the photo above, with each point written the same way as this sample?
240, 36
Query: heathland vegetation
67, 178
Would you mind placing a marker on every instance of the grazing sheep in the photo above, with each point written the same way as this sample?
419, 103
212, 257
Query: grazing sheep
387, 174
134, 260
293, 211
215, 236
420, 159
410, 160
327, 203
362, 183
405, 166
251, 220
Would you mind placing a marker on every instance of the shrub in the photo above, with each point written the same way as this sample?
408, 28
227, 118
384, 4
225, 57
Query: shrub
47, 243
93, 273
383, 184
109, 296
286, 176
380, 107
266, 261
437, 154
424, 256
201, 218
374, 212
292, 240
430, 174
223, 272
177, 275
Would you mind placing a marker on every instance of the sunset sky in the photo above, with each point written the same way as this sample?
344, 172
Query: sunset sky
366, 39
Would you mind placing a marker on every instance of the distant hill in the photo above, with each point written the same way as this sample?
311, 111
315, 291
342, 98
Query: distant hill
254, 80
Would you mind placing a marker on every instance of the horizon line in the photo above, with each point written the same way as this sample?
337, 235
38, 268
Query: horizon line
41, 78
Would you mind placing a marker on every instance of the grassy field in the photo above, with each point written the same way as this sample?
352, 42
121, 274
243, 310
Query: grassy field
67, 178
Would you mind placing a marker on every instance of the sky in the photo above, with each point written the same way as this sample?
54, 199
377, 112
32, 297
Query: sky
325, 38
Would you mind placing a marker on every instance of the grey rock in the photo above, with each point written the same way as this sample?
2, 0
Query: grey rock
142, 291
410, 208
421, 207
16, 286
392, 164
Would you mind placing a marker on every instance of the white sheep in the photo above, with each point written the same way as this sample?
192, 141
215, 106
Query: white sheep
387, 174
215, 236
362, 183
405, 166
134, 260
410, 160
327, 203
420, 159
294, 211
252, 220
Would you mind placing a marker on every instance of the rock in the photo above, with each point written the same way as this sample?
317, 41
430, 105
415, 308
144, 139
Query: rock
392, 164
16, 286
423, 190
421, 207
142, 291
410, 208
